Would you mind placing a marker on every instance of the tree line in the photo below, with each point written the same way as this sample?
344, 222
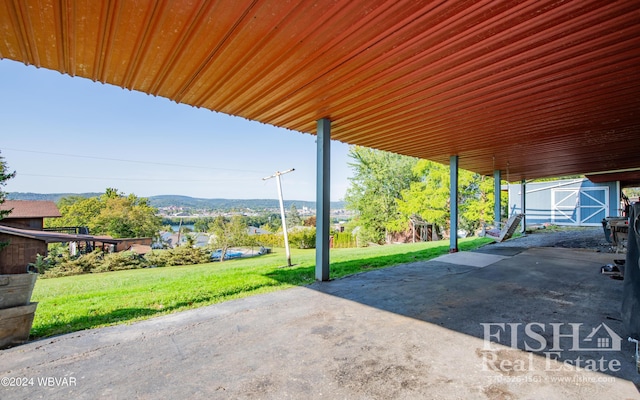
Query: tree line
387, 189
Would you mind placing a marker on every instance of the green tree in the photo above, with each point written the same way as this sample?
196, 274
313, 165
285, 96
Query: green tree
293, 219
129, 216
477, 200
273, 224
111, 214
77, 211
429, 197
190, 240
258, 220
378, 181
5, 175
228, 233
202, 224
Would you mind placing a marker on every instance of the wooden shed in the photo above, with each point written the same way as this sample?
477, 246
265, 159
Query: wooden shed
22, 250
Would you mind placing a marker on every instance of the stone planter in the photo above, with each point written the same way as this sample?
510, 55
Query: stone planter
16, 289
15, 324
16, 309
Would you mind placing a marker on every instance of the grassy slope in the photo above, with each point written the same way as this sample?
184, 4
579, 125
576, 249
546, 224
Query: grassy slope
87, 301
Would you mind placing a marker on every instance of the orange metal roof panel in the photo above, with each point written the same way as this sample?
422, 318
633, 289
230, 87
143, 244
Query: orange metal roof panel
535, 87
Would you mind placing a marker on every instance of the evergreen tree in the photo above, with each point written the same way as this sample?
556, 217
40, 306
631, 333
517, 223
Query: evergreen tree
5, 175
293, 219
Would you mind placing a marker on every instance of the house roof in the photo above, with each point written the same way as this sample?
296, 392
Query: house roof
534, 88
30, 209
55, 237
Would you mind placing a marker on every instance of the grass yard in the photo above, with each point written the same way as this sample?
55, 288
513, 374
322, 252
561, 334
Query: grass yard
80, 302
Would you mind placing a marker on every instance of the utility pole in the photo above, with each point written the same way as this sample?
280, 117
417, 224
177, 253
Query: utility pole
284, 223
179, 231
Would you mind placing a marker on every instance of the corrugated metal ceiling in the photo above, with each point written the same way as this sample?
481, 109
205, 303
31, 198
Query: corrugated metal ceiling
536, 88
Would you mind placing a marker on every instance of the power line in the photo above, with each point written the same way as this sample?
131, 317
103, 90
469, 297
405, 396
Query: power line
133, 179
131, 161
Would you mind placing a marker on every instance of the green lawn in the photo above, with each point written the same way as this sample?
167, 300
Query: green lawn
74, 303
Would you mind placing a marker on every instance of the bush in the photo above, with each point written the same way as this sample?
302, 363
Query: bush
60, 263
185, 255
182, 255
304, 238
64, 269
271, 240
121, 261
158, 258
343, 240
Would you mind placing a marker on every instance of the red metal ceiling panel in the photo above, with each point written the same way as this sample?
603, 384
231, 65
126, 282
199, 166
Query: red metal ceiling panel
538, 88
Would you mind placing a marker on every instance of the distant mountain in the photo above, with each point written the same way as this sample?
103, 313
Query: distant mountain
186, 201
55, 197
222, 204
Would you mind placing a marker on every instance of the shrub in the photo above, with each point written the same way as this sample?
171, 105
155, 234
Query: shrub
158, 258
304, 238
185, 255
121, 261
343, 240
271, 240
182, 255
64, 269
60, 263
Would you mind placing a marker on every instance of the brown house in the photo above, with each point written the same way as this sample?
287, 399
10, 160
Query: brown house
28, 214
23, 249
21, 229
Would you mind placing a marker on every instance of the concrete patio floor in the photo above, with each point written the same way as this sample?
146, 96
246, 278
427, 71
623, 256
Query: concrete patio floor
411, 331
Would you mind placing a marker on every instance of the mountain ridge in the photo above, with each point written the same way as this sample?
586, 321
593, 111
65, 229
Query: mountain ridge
170, 200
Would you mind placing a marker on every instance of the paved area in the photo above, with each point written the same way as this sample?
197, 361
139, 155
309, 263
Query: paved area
412, 331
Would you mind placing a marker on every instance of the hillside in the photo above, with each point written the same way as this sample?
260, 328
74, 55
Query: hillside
186, 201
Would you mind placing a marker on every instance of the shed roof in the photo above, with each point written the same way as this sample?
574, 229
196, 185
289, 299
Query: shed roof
55, 237
534, 88
30, 209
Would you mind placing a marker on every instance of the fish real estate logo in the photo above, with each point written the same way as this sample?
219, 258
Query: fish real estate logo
565, 350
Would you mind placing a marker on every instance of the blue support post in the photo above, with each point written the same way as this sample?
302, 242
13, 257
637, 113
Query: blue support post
523, 205
323, 204
453, 196
497, 191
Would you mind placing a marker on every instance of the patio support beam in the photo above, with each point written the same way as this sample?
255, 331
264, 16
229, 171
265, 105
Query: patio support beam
323, 205
523, 204
453, 202
497, 192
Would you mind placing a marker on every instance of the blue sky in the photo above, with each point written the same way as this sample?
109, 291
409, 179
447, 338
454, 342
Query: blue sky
63, 134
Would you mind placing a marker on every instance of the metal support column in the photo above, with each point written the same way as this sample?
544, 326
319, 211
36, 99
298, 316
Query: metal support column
453, 196
497, 191
523, 204
323, 204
